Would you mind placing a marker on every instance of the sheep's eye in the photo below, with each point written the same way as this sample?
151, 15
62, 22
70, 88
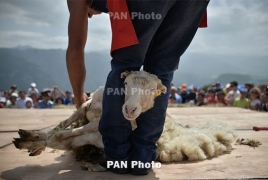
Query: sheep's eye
125, 83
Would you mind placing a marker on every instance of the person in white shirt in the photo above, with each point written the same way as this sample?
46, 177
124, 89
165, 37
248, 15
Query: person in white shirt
13, 100
255, 102
21, 101
2, 102
33, 90
33, 93
232, 94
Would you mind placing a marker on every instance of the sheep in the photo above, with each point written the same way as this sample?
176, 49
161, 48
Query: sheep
176, 143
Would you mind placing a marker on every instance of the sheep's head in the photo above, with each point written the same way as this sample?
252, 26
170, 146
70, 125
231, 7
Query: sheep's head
141, 89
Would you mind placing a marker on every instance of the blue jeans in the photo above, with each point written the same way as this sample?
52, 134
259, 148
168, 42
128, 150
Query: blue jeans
161, 44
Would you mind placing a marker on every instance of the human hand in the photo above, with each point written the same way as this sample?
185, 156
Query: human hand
92, 12
79, 100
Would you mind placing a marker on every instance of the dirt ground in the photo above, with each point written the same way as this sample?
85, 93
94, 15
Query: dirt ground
241, 162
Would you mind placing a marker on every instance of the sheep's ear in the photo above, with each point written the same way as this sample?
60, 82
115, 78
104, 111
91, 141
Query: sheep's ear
160, 88
125, 74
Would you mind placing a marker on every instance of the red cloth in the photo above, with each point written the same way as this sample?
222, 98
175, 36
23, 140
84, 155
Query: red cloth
204, 21
123, 32
211, 100
223, 102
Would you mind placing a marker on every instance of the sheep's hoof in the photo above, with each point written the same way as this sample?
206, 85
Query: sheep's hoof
29, 135
36, 153
95, 167
17, 142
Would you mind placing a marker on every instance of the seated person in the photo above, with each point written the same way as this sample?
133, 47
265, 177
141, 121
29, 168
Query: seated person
33, 89
13, 89
255, 102
2, 102
59, 103
13, 99
34, 97
69, 99
7, 96
200, 98
211, 99
184, 93
57, 93
174, 97
264, 105
218, 87
29, 105
249, 86
21, 101
242, 101
192, 95
232, 94
220, 98
226, 89
46, 102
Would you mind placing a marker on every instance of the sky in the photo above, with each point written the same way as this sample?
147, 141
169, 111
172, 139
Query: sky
235, 27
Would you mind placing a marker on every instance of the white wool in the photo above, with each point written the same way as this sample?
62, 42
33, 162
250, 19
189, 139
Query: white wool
177, 142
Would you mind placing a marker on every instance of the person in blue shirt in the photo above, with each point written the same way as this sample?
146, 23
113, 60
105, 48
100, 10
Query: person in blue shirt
46, 102
184, 93
174, 97
68, 100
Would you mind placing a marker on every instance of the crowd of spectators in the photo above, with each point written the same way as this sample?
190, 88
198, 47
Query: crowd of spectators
32, 98
232, 95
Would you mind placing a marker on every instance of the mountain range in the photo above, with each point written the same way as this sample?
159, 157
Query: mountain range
47, 67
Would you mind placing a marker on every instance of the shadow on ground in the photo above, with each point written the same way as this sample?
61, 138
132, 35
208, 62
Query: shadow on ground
65, 169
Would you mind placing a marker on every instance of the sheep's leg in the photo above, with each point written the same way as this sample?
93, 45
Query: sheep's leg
35, 148
90, 127
225, 138
78, 114
205, 143
221, 139
190, 147
93, 138
70, 143
27, 135
170, 152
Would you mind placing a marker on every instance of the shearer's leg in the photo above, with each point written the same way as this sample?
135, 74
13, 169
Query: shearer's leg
169, 43
115, 129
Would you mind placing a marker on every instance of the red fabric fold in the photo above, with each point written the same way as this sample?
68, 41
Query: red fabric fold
204, 21
123, 32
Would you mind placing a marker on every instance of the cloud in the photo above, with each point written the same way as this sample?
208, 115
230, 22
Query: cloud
99, 33
33, 39
235, 27
44, 24
34, 12
99, 37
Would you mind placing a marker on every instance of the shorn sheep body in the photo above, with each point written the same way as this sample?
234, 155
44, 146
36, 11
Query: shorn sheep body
80, 131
